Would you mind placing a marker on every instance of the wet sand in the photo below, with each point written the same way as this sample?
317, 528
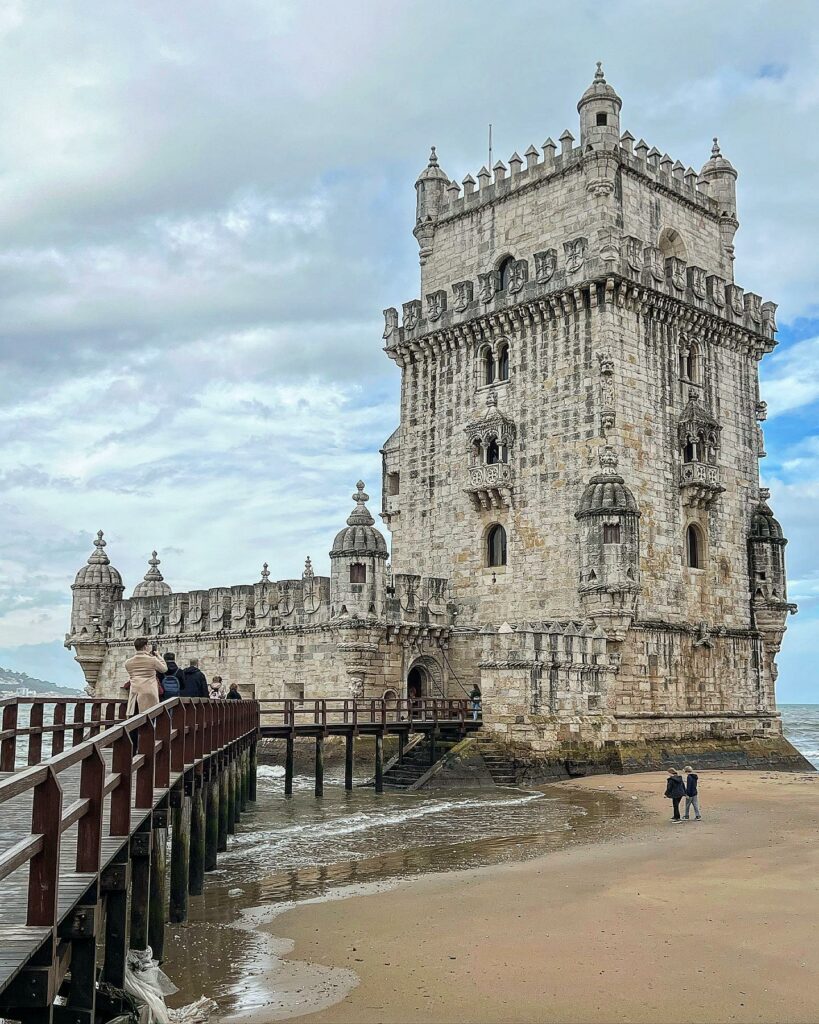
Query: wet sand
700, 922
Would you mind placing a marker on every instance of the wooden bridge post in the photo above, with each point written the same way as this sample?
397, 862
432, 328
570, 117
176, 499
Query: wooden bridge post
319, 765
114, 883
252, 772
349, 754
140, 884
230, 771
224, 803
212, 817
196, 881
243, 770
8, 747
288, 766
379, 762
180, 852
158, 907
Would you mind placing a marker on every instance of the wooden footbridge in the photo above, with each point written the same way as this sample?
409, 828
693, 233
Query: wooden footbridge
85, 801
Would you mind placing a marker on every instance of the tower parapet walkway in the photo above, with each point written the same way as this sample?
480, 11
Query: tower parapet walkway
85, 827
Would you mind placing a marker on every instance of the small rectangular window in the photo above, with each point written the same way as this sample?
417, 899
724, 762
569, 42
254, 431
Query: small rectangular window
393, 483
611, 533
602, 119
358, 573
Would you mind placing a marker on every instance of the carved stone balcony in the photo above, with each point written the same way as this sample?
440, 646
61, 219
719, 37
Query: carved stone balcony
700, 484
490, 485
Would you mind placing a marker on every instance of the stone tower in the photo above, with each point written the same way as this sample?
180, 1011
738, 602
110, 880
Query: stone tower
578, 446
96, 590
357, 564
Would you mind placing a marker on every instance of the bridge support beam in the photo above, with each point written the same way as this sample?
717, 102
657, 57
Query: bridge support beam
379, 763
349, 754
212, 821
251, 787
233, 803
158, 907
402, 742
244, 774
140, 884
114, 883
319, 766
180, 855
288, 767
81, 928
196, 869
224, 809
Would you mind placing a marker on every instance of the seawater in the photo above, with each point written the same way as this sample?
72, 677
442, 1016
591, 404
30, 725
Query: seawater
800, 723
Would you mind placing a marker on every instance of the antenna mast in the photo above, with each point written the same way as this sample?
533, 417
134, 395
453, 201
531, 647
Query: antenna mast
490, 149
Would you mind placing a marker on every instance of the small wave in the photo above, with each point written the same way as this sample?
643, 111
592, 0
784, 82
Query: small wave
269, 771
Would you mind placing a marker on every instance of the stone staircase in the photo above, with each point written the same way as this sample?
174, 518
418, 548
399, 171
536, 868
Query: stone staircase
500, 763
416, 764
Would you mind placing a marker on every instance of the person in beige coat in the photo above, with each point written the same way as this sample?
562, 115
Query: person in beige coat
142, 669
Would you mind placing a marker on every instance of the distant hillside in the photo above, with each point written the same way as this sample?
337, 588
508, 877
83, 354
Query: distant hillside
16, 680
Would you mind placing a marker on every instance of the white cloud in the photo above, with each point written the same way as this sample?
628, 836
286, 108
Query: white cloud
790, 377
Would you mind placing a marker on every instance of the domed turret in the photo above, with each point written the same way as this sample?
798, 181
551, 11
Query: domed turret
153, 584
430, 192
599, 110
358, 559
609, 518
96, 588
721, 177
766, 553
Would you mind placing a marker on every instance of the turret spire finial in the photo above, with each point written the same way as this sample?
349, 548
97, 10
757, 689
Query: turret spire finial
153, 573
98, 555
433, 157
308, 573
715, 150
360, 516
598, 75
265, 573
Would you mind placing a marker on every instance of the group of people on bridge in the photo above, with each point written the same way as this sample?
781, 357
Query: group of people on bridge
152, 678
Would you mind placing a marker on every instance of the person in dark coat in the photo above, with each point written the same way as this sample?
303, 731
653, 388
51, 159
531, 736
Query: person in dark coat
194, 682
692, 798
172, 670
233, 692
675, 791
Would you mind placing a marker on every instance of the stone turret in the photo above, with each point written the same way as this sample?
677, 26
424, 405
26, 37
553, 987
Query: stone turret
721, 178
599, 110
430, 196
96, 589
358, 563
608, 519
766, 558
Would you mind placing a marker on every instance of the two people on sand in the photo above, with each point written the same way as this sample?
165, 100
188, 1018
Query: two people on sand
677, 787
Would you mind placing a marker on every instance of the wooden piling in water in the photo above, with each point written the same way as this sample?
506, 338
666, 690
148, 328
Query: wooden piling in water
288, 767
379, 763
349, 756
233, 807
253, 771
244, 770
196, 867
114, 883
140, 884
319, 766
158, 907
224, 807
180, 855
211, 821
81, 927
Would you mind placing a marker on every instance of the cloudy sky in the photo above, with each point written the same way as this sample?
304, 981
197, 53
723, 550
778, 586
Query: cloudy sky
204, 206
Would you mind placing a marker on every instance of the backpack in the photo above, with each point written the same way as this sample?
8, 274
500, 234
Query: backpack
170, 685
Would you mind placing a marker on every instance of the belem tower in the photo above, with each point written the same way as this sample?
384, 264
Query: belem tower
572, 495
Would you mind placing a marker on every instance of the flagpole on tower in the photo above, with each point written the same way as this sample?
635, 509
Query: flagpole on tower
490, 149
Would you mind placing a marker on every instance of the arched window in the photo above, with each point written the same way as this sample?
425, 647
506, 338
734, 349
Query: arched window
503, 363
496, 546
505, 273
492, 452
358, 573
611, 533
690, 451
694, 547
477, 452
488, 366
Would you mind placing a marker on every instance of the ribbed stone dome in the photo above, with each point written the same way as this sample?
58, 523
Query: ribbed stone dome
153, 585
764, 526
359, 537
717, 164
432, 172
599, 90
98, 572
607, 492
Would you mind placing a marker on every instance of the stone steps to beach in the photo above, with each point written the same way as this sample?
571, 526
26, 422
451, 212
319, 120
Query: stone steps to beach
499, 763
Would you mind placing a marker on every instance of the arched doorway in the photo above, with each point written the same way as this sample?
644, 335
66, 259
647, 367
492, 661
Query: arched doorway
417, 683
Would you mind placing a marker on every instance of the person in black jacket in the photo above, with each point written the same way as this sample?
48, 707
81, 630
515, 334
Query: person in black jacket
233, 692
194, 682
675, 791
173, 671
691, 794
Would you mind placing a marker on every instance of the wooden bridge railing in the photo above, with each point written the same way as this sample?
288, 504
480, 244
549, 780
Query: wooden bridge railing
182, 753
361, 712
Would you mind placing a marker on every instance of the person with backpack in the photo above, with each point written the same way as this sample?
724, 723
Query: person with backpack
233, 692
675, 791
691, 794
194, 683
216, 690
172, 678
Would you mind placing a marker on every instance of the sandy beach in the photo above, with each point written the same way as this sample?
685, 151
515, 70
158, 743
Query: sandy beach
700, 922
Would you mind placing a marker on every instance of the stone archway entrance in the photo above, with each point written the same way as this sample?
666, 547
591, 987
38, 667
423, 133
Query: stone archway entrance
417, 683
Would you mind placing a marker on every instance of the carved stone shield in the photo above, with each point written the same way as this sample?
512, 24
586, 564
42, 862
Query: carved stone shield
545, 265
462, 291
